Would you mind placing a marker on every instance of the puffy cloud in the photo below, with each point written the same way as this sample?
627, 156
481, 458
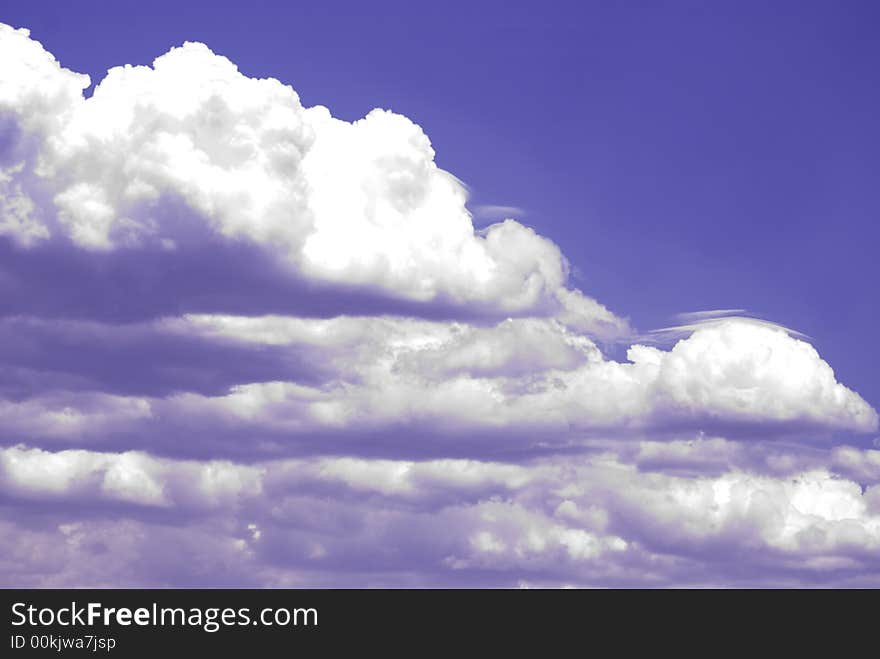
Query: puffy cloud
243, 342
305, 385
733, 375
131, 477
861, 466
352, 204
71, 416
739, 369
556, 521
34, 87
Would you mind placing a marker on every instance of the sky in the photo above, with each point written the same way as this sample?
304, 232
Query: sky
589, 299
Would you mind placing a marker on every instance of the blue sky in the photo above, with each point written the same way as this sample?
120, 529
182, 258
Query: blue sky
245, 342
686, 155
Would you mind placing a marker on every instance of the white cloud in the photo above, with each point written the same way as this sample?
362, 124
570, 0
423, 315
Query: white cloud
534, 379
741, 370
678, 466
863, 466
33, 85
735, 373
71, 416
94, 478
588, 521
354, 204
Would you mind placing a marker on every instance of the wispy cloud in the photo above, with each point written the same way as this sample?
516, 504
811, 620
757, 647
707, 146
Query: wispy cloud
495, 212
691, 321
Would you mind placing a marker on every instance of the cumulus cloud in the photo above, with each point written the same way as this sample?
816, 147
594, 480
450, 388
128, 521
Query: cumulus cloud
732, 368
354, 204
129, 477
516, 385
243, 342
551, 521
531, 375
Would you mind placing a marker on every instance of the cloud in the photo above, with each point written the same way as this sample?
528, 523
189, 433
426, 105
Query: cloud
734, 369
553, 521
324, 201
243, 342
130, 477
535, 376
366, 384
692, 321
154, 358
710, 314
